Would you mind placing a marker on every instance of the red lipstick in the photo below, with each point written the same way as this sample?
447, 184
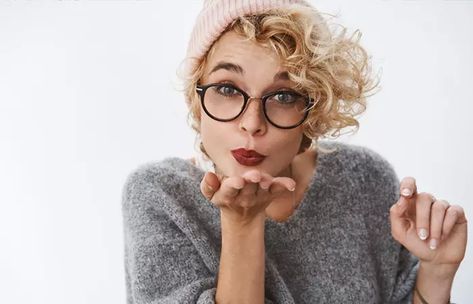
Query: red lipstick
247, 157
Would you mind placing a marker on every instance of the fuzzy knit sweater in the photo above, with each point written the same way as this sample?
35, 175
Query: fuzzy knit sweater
336, 247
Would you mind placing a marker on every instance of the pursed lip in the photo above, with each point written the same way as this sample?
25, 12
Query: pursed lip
247, 157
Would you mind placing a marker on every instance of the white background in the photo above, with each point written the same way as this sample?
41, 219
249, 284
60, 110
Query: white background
88, 91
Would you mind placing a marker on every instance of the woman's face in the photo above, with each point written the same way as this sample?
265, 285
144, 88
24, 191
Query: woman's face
257, 71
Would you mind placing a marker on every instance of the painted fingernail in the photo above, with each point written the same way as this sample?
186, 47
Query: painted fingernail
423, 234
433, 244
406, 192
209, 187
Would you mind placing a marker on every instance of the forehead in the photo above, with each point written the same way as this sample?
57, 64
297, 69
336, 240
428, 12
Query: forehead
234, 48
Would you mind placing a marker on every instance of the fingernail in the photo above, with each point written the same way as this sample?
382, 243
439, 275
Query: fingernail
406, 192
210, 188
423, 234
433, 244
264, 186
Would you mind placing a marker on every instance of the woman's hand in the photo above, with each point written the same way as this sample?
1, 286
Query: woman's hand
431, 229
242, 198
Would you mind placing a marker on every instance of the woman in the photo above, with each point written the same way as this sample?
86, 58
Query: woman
282, 217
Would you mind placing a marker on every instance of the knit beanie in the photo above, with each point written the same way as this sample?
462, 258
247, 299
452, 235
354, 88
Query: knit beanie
214, 18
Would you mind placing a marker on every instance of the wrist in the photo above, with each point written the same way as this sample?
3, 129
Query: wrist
229, 217
434, 282
439, 272
232, 223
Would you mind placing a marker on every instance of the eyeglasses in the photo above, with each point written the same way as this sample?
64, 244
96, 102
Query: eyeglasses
284, 109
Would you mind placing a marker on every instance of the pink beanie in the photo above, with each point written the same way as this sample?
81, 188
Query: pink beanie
214, 18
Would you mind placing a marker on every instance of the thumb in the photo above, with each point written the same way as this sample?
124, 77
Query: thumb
400, 222
209, 185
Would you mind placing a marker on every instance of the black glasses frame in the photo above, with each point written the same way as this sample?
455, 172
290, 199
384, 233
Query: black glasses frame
201, 89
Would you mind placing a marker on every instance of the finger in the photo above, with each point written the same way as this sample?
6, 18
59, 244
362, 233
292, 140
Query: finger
400, 223
408, 191
404, 207
252, 176
423, 204
229, 189
408, 187
266, 181
249, 189
209, 185
252, 179
261, 191
438, 211
281, 184
454, 215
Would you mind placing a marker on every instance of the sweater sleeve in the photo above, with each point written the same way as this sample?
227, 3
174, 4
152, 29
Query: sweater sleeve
169, 255
161, 264
405, 278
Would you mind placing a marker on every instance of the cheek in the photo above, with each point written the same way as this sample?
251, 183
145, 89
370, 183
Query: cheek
206, 128
283, 150
212, 134
205, 132
290, 147
289, 141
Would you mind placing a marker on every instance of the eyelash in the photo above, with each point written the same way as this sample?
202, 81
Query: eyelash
281, 90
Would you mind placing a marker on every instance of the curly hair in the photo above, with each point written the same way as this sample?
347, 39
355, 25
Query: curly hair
329, 66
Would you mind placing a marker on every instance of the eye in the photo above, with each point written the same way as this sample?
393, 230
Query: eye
285, 97
227, 90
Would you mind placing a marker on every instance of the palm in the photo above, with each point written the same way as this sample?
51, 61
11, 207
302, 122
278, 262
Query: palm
451, 249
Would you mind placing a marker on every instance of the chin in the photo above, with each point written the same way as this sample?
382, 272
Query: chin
231, 167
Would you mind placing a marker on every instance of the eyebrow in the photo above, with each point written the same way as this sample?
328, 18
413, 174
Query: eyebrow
229, 67
281, 76
232, 67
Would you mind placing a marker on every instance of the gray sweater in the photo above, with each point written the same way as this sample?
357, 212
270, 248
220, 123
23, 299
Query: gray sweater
336, 248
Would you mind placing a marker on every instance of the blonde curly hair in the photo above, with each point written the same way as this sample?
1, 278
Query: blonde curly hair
332, 68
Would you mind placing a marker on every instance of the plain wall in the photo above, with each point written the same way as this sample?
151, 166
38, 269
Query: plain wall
88, 91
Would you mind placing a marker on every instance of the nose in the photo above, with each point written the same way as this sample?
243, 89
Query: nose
252, 119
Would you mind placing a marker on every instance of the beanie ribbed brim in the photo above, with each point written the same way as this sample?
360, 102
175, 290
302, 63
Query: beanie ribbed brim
215, 17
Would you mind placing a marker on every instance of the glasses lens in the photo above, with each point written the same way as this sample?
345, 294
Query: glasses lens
223, 101
286, 109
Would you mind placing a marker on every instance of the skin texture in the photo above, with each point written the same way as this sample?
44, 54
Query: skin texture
244, 194
269, 180
250, 130
436, 233
431, 229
